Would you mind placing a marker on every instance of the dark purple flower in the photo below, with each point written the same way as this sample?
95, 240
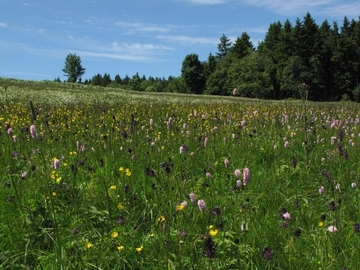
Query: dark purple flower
267, 253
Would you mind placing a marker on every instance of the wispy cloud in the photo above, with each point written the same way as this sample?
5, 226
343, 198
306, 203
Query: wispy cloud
188, 40
2, 24
140, 27
207, 2
130, 51
286, 7
349, 10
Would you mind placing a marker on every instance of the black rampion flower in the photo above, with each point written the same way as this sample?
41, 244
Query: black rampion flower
267, 253
209, 248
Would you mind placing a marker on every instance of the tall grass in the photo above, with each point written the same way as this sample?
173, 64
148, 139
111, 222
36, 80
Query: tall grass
105, 185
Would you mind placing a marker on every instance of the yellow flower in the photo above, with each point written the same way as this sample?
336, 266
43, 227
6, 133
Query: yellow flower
58, 180
120, 206
128, 172
121, 169
54, 194
114, 234
321, 224
161, 219
213, 231
120, 247
88, 245
113, 187
139, 249
180, 207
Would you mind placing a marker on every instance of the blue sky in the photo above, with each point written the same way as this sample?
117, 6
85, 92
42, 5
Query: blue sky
151, 37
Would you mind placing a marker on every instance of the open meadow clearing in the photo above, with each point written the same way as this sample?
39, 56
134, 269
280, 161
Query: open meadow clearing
112, 179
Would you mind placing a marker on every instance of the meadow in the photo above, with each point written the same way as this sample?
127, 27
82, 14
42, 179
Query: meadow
93, 178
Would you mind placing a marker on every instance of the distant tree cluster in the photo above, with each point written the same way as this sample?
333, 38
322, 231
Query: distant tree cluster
321, 63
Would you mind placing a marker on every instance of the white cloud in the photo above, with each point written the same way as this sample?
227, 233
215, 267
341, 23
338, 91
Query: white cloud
207, 2
2, 24
129, 51
189, 40
349, 10
41, 31
140, 27
286, 7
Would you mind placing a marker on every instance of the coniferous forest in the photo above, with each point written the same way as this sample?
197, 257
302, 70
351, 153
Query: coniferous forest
300, 60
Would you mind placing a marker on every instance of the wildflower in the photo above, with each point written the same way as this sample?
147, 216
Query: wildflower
213, 232
293, 162
127, 172
238, 183
161, 219
121, 169
209, 248
356, 227
237, 173
216, 211
32, 130
139, 249
353, 185
267, 253
114, 234
14, 154
53, 193
208, 175
182, 150
88, 245
120, 248
120, 206
297, 232
113, 187
332, 206
246, 176
226, 163
286, 216
321, 190
9, 131
286, 144
332, 229
24, 175
56, 163
182, 233
321, 224
234, 92
206, 140
201, 205
181, 206
192, 197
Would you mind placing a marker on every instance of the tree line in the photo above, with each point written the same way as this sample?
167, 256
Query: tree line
304, 60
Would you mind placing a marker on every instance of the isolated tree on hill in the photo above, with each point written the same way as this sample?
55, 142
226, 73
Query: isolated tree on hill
73, 68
